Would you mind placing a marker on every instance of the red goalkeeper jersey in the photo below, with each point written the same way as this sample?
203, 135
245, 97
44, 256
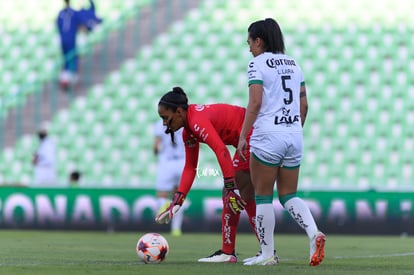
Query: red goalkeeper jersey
217, 125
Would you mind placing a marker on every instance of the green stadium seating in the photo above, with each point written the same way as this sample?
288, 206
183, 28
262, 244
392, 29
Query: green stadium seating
30, 44
359, 129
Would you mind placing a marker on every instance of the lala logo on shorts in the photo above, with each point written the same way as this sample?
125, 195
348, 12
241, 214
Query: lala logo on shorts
286, 118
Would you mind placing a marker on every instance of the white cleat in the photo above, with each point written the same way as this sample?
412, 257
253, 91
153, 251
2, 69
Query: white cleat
317, 249
259, 260
276, 257
219, 257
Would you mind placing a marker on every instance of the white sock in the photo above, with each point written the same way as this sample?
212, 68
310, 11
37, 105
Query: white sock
177, 221
300, 212
265, 226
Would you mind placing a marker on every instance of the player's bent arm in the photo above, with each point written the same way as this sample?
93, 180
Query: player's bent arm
252, 109
303, 104
225, 161
186, 181
190, 168
223, 156
157, 145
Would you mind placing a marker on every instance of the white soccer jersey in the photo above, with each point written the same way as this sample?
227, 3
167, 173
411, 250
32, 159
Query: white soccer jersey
281, 78
45, 167
171, 159
168, 151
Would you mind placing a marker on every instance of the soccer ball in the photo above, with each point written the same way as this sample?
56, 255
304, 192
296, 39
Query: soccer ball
152, 248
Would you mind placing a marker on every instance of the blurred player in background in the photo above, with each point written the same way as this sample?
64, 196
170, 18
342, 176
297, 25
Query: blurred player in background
217, 125
44, 160
276, 112
89, 18
74, 178
171, 157
68, 22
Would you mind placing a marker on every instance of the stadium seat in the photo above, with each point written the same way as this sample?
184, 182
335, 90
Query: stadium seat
31, 52
358, 76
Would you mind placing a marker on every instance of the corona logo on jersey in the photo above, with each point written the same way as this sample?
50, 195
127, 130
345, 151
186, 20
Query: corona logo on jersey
273, 63
286, 118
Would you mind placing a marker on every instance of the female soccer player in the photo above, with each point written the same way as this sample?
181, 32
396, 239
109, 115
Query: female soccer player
217, 125
170, 163
277, 110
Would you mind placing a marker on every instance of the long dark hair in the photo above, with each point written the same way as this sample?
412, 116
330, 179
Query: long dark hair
171, 101
271, 34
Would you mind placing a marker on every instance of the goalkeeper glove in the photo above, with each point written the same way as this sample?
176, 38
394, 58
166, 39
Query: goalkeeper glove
175, 205
232, 197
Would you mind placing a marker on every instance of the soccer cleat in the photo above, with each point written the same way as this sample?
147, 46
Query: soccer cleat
219, 257
317, 249
259, 260
176, 232
276, 257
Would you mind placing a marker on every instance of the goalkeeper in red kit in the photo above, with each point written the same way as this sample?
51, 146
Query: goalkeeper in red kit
217, 125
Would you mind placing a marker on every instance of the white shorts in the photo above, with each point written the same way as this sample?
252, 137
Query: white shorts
277, 149
44, 176
169, 174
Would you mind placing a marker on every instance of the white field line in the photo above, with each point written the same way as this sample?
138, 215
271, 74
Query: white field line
405, 254
376, 256
282, 260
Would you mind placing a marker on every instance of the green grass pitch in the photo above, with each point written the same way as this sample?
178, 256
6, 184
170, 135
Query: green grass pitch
72, 252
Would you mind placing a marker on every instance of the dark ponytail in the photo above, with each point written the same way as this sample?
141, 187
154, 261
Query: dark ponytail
174, 99
269, 31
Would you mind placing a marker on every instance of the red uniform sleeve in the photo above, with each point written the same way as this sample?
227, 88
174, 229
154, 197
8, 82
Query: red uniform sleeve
191, 160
